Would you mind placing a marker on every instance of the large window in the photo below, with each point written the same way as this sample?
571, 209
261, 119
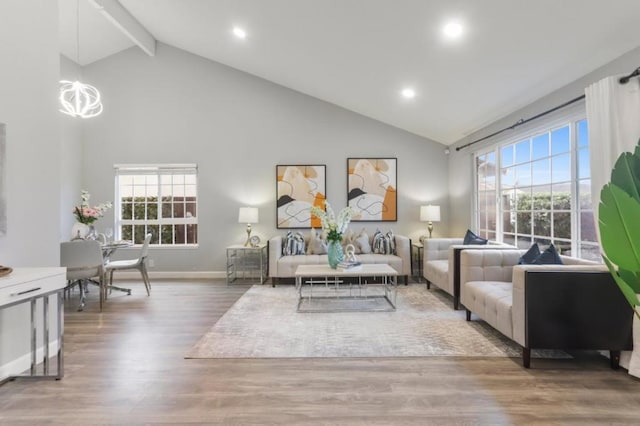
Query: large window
536, 188
157, 199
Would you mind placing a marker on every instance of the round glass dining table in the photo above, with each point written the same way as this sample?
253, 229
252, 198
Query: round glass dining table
109, 248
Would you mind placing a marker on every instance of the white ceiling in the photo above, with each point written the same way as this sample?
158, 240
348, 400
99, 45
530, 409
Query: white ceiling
359, 54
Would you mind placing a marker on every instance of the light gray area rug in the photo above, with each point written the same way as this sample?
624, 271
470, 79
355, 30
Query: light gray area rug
264, 323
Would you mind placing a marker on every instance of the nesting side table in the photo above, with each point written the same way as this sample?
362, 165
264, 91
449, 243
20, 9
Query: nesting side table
417, 251
247, 263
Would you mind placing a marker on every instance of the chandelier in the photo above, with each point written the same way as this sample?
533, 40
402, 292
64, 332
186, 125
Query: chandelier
79, 99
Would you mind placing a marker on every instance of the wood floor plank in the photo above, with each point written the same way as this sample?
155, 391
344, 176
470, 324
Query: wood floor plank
126, 366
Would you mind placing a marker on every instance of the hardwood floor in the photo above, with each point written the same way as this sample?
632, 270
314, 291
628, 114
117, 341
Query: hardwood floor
126, 366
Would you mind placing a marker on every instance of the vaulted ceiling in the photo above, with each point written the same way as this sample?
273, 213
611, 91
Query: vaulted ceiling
360, 54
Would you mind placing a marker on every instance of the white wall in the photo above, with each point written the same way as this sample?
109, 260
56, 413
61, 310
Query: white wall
71, 155
180, 108
461, 166
29, 71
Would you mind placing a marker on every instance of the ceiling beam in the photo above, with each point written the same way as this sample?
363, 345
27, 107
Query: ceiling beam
125, 22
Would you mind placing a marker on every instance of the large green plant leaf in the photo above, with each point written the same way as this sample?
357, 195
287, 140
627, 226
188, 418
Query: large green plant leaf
619, 217
631, 278
627, 290
619, 214
626, 173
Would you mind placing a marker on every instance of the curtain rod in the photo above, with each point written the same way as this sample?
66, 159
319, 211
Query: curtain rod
523, 121
623, 80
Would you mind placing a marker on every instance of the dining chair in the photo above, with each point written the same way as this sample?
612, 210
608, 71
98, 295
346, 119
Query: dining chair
84, 263
140, 264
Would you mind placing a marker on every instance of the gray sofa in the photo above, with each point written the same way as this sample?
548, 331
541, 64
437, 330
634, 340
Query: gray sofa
281, 266
572, 306
441, 263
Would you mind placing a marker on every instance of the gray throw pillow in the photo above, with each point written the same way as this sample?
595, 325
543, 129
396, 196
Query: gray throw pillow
472, 239
384, 243
392, 242
530, 256
549, 257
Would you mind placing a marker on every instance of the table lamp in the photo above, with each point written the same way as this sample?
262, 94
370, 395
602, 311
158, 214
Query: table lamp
430, 214
248, 215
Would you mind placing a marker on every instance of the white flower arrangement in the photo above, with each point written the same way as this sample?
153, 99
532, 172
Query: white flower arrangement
332, 225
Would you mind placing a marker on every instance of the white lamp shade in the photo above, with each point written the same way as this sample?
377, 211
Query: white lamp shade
430, 213
248, 215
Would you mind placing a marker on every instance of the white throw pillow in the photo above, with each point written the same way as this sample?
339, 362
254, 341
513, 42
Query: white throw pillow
362, 242
349, 238
316, 245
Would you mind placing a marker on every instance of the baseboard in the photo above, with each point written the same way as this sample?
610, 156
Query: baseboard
23, 363
191, 275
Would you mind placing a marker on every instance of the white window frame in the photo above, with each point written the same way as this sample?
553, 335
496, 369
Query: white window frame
570, 115
159, 170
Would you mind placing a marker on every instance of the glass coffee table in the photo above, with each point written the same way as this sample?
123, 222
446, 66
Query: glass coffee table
370, 287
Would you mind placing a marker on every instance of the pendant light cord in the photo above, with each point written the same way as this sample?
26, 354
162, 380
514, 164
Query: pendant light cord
78, 31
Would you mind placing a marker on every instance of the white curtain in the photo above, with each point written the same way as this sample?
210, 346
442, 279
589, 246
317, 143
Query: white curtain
613, 114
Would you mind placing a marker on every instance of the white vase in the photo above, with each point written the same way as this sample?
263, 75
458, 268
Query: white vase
79, 231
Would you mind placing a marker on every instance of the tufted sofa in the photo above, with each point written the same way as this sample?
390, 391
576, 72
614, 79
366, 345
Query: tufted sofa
441, 259
435, 258
281, 266
572, 306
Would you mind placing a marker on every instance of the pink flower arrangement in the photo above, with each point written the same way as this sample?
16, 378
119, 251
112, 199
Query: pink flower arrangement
86, 214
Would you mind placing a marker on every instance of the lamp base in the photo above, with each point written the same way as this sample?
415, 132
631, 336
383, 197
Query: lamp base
430, 228
248, 242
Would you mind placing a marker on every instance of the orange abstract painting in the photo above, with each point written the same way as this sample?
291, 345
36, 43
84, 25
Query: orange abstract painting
298, 189
372, 189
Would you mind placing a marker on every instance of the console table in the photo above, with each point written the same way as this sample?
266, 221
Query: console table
371, 287
27, 285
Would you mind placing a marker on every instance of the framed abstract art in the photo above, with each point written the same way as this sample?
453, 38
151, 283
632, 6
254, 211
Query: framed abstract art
372, 185
298, 189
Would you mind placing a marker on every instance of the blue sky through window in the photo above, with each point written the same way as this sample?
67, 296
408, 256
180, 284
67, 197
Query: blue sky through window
523, 151
506, 156
584, 169
541, 146
541, 172
583, 133
560, 140
561, 168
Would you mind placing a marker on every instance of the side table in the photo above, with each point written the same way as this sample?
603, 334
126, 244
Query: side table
416, 261
247, 263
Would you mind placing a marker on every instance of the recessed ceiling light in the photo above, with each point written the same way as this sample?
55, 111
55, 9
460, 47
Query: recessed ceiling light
408, 93
453, 29
239, 32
